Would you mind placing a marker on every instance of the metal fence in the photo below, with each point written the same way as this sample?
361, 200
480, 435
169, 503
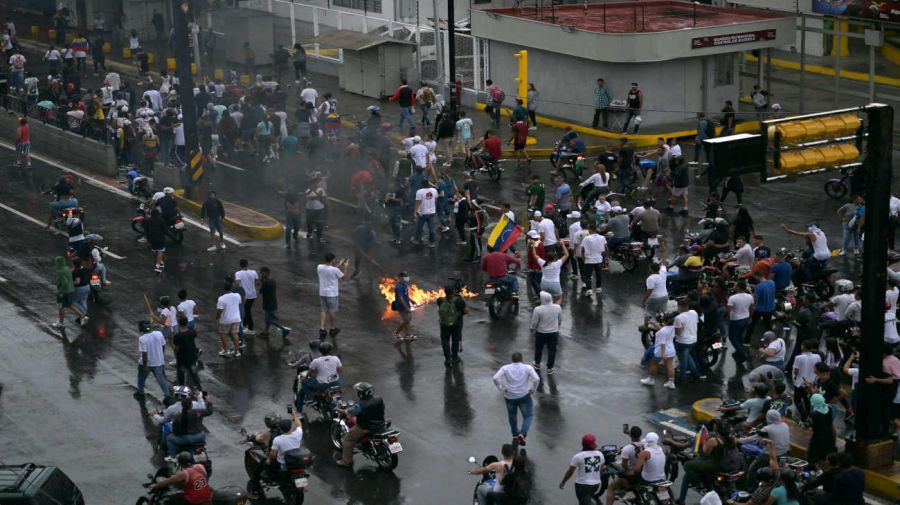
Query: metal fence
49, 113
305, 22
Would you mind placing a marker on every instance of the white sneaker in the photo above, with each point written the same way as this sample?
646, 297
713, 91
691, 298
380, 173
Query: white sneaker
598, 291
533, 128
842, 253
669, 384
212, 249
173, 362
142, 240
648, 381
237, 354
223, 353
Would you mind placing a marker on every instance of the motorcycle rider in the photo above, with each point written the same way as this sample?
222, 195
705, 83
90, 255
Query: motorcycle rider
755, 406
369, 414
191, 478
187, 427
818, 244
499, 469
324, 372
291, 438
97, 257
651, 461
719, 454
628, 476
64, 198
777, 433
618, 225
168, 205
495, 264
75, 229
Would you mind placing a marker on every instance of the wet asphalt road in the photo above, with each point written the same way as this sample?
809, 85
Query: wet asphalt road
68, 401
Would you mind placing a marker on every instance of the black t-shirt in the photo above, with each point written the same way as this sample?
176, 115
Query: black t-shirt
82, 277
165, 127
608, 160
267, 292
62, 189
718, 237
830, 388
185, 342
156, 230
680, 176
712, 210
848, 487
626, 158
472, 187
371, 414
167, 206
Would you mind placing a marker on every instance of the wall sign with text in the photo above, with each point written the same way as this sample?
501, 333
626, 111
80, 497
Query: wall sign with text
731, 39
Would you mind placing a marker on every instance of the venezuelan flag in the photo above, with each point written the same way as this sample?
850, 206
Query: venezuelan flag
701, 438
504, 235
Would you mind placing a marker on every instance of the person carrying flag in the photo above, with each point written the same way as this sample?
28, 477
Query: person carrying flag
505, 233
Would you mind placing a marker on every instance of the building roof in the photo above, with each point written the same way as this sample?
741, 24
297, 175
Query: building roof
632, 16
354, 41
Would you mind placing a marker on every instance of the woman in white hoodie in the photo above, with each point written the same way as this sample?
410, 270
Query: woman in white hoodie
545, 321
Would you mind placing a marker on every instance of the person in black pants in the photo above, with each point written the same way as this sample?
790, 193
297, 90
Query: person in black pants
451, 334
186, 353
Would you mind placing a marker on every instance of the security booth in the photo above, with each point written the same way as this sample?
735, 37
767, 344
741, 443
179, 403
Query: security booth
372, 65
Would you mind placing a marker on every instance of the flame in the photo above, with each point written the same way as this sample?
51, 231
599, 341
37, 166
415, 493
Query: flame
417, 296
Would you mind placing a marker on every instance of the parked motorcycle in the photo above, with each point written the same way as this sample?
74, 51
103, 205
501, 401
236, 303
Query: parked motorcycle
838, 187
381, 446
174, 232
228, 495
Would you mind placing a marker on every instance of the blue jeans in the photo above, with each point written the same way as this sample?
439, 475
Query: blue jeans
424, 108
510, 280
100, 268
81, 296
311, 385
17, 78
406, 114
158, 373
493, 109
513, 407
291, 227
849, 236
174, 442
57, 205
737, 329
425, 219
625, 180
632, 113
685, 353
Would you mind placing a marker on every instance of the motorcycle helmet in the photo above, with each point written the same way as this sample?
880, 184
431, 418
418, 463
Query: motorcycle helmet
374, 109
144, 326
844, 285
271, 420
326, 347
314, 345
181, 392
185, 459
765, 474
363, 390
168, 190
760, 390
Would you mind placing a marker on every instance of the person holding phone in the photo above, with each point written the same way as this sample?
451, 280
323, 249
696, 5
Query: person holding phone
291, 438
330, 274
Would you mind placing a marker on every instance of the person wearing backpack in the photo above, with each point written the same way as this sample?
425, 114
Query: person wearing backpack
451, 309
496, 96
404, 97
705, 130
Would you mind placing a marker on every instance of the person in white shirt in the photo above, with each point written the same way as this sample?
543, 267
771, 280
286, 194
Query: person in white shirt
656, 297
842, 301
517, 381
324, 372
547, 230
685, 339
804, 375
744, 254
151, 348
738, 310
228, 315
249, 280
291, 438
663, 348
330, 274
593, 251
52, 56
551, 269
587, 466
576, 235
152, 97
819, 243
187, 307
309, 94
774, 351
853, 314
598, 182
419, 154
425, 212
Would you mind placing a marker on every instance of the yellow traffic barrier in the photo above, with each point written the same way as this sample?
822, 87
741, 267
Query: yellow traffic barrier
792, 132
219, 74
815, 129
51, 34
126, 52
150, 58
812, 158
791, 162
107, 48
818, 157
170, 64
35, 31
245, 80
193, 69
851, 153
795, 132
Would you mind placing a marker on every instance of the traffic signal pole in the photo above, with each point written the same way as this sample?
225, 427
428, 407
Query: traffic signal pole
181, 12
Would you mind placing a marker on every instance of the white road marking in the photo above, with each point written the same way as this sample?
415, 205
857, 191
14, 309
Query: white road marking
229, 165
110, 188
52, 230
3, 279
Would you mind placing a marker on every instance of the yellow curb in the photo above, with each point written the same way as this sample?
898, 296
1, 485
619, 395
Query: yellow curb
876, 482
828, 71
890, 52
271, 230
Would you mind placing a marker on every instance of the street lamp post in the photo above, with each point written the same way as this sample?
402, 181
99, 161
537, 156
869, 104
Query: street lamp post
181, 11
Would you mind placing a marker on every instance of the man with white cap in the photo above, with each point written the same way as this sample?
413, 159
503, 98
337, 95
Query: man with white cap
534, 268
618, 225
546, 228
575, 237
652, 460
418, 153
594, 250
773, 350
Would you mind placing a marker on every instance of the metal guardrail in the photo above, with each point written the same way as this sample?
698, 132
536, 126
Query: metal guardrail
48, 113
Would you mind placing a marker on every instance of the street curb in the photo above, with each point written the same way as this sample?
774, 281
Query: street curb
644, 140
877, 483
271, 231
828, 71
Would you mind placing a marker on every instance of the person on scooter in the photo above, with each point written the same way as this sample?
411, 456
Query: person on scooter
818, 244
324, 372
75, 229
291, 438
628, 476
64, 198
191, 478
651, 462
187, 427
168, 205
777, 433
495, 264
488, 150
369, 414
755, 406
719, 453
97, 258
499, 469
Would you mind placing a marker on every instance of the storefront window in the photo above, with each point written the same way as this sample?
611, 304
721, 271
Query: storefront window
724, 69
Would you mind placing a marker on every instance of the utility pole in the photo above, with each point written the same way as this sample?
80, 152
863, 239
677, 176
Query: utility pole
181, 12
451, 56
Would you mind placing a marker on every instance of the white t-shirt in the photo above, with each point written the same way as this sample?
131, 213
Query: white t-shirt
588, 465
248, 280
656, 283
820, 246
593, 246
665, 337
329, 280
154, 98
890, 328
575, 236
187, 307
230, 305
179, 134
287, 442
309, 95
841, 302
326, 368
740, 303
550, 271
53, 55
153, 344
891, 296
419, 155
804, 365
687, 321
547, 228
630, 452
744, 256
427, 198
778, 346
169, 316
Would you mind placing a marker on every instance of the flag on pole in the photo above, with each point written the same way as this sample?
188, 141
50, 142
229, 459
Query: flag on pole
701, 438
504, 234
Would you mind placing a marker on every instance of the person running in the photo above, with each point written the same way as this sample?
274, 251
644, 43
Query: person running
268, 292
518, 381
403, 307
23, 143
330, 274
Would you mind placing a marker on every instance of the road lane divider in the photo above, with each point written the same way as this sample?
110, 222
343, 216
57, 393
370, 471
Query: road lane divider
52, 230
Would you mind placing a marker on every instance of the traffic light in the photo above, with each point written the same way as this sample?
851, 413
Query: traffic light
522, 79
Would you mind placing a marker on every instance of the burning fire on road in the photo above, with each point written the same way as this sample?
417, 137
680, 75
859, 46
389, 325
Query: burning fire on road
417, 296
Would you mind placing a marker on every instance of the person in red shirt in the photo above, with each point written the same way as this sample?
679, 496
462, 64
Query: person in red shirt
495, 264
191, 478
360, 184
519, 139
23, 143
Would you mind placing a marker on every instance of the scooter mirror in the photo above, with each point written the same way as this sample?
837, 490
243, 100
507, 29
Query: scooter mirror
471, 459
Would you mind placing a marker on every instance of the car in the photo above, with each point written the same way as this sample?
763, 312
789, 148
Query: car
31, 484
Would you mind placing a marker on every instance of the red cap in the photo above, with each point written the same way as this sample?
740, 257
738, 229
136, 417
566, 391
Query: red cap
547, 207
589, 441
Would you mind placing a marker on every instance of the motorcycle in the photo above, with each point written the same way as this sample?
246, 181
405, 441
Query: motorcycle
174, 232
823, 280
488, 478
709, 349
649, 328
96, 287
171, 465
292, 483
380, 446
501, 300
837, 188
228, 495
323, 402
628, 254
492, 168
